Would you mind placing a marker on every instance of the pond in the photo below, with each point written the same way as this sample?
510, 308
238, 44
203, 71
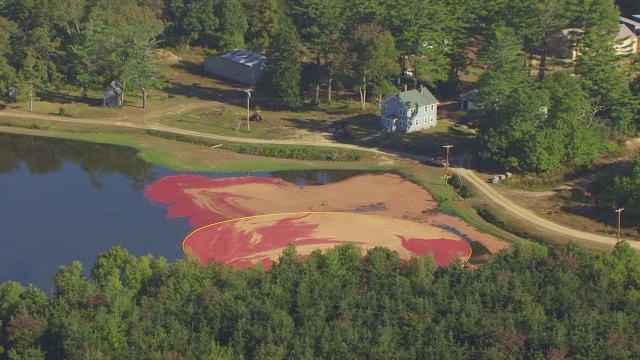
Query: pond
69, 200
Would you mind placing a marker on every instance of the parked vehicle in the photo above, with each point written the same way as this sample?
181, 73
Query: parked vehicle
11, 94
438, 161
337, 126
257, 116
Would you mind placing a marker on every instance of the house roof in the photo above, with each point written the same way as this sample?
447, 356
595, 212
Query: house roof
469, 95
625, 32
634, 24
245, 57
414, 98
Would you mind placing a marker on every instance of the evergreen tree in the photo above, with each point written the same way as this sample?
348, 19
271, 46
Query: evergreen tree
608, 89
232, 25
282, 75
369, 58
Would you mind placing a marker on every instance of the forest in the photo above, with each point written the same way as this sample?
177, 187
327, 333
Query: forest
530, 302
536, 114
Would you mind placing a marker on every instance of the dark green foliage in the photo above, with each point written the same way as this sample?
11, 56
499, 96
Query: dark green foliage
625, 191
315, 48
233, 25
282, 77
528, 302
536, 130
298, 152
609, 91
461, 187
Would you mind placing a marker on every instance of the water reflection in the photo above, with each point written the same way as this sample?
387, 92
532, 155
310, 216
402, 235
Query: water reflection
316, 177
67, 200
45, 155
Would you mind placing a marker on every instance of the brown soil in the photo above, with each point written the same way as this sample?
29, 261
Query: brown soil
207, 201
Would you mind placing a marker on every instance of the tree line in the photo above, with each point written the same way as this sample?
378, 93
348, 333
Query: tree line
528, 302
545, 122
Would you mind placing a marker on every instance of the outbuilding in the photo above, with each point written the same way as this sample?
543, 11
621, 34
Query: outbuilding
113, 94
468, 100
240, 66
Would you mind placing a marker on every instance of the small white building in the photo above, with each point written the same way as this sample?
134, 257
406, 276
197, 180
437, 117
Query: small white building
409, 111
240, 66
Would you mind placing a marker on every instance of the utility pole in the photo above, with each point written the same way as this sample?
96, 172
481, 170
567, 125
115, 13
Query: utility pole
248, 91
446, 165
619, 211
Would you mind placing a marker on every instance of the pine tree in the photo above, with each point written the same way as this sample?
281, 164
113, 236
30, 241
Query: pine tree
232, 25
282, 75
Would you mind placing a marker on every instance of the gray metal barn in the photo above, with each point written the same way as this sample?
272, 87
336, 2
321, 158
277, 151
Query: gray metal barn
241, 66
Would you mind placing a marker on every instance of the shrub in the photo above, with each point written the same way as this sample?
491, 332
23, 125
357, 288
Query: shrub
62, 111
461, 188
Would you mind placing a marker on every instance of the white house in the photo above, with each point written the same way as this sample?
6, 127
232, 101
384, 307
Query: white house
241, 66
566, 43
626, 41
409, 111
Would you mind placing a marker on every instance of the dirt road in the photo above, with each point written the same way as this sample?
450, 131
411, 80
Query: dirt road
526, 215
470, 176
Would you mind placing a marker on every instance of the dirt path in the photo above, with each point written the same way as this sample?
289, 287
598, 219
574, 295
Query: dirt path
159, 127
470, 176
529, 216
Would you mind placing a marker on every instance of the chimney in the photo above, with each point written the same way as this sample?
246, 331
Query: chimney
405, 87
421, 88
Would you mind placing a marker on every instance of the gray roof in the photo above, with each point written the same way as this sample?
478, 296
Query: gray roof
116, 86
414, 98
635, 24
245, 57
470, 95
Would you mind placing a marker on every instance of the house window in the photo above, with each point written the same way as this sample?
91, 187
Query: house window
403, 112
433, 107
412, 111
395, 99
432, 118
425, 108
385, 108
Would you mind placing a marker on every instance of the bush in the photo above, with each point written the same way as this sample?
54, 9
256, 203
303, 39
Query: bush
62, 111
298, 152
461, 188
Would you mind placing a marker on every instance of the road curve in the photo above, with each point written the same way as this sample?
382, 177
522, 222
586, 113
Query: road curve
482, 186
527, 215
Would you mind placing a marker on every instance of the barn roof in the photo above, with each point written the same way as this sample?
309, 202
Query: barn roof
245, 57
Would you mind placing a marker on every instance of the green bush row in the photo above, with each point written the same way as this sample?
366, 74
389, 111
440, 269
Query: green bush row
298, 152
274, 151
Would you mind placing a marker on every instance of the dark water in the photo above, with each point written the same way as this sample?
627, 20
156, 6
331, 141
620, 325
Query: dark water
62, 201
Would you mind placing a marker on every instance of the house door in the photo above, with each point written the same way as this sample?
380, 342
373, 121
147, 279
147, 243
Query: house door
465, 104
